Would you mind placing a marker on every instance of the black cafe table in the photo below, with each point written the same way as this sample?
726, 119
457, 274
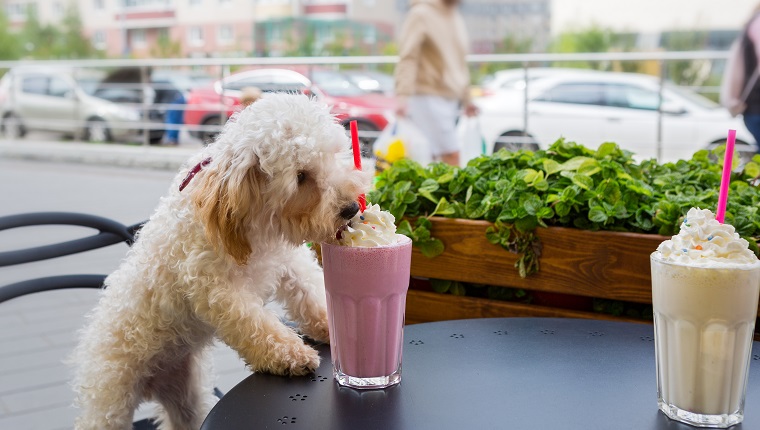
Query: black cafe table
500, 373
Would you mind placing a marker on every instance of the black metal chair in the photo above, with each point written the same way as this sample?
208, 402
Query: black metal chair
109, 232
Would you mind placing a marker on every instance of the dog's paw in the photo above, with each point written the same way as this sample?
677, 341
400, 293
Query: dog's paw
291, 359
317, 330
303, 361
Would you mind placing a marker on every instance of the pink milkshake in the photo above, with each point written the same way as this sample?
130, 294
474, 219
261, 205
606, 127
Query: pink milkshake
366, 280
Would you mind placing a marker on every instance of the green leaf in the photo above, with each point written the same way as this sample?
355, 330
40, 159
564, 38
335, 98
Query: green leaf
532, 203
574, 163
404, 228
440, 286
432, 248
445, 178
551, 166
493, 236
458, 289
589, 167
752, 169
583, 181
597, 214
605, 149
443, 208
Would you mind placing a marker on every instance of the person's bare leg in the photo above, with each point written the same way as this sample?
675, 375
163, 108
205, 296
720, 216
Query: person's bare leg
451, 158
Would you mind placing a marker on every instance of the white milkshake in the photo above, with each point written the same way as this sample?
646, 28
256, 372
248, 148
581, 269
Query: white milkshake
705, 288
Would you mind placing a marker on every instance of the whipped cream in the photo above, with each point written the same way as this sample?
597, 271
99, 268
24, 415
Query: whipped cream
704, 241
373, 227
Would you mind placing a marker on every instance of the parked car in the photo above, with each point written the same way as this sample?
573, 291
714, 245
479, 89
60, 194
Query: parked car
592, 107
125, 86
208, 106
53, 100
372, 81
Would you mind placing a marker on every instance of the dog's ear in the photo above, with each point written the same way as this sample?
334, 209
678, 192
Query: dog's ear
224, 205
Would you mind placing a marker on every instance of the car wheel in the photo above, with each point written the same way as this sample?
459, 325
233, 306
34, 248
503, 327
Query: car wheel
97, 130
514, 141
12, 127
208, 136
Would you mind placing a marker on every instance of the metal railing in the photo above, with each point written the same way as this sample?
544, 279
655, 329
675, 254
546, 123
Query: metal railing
221, 68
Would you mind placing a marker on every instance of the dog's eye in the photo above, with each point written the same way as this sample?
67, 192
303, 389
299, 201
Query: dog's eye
301, 177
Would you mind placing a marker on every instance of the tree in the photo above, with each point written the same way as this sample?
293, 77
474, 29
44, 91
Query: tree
687, 72
74, 44
509, 45
39, 41
593, 39
165, 47
10, 44
596, 39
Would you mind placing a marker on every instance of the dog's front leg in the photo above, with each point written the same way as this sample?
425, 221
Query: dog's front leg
257, 334
302, 294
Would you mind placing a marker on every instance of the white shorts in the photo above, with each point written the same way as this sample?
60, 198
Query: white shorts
436, 117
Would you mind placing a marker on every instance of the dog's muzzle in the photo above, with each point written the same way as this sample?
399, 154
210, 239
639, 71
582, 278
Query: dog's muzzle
349, 211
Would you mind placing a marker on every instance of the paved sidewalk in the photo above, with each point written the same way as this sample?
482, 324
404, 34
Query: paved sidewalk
152, 157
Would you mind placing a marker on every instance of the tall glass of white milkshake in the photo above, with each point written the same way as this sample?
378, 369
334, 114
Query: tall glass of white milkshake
705, 288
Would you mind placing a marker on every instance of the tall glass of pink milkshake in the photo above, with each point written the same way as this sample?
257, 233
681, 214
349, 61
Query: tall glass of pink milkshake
366, 280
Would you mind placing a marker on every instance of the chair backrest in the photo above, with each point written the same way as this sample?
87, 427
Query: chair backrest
109, 232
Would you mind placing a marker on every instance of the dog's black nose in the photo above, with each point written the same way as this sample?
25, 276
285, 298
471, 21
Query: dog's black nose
349, 211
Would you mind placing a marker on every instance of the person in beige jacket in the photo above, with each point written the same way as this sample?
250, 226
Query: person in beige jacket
432, 78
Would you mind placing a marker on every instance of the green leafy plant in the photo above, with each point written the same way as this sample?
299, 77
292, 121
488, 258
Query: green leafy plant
565, 185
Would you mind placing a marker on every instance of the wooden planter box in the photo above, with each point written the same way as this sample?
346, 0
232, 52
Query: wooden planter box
602, 264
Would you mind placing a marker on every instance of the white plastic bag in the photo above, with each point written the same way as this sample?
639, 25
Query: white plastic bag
471, 141
402, 139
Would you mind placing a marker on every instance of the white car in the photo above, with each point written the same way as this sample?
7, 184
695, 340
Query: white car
54, 100
592, 107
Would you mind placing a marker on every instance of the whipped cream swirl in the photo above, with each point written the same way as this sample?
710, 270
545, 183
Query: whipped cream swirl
704, 241
373, 227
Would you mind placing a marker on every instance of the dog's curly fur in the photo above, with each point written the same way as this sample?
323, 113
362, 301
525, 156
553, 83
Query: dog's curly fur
211, 257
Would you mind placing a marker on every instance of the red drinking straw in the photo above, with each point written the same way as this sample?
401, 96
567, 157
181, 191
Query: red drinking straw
728, 161
357, 159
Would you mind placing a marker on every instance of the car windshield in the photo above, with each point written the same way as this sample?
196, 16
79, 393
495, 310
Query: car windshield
693, 97
336, 85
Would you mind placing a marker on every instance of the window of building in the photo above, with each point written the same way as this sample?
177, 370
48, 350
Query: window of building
225, 2
58, 9
195, 2
137, 38
16, 11
370, 34
99, 39
195, 36
225, 35
99, 4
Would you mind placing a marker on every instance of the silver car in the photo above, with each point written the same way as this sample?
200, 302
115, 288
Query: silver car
54, 100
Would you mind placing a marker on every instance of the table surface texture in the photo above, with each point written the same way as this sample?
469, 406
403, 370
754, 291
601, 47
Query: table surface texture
501, 373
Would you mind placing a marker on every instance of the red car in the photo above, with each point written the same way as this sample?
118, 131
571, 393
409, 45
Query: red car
206, 105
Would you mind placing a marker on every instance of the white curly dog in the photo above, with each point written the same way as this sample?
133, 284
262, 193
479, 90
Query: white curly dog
226, 240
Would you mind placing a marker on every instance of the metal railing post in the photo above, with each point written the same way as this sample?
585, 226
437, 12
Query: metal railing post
225, 71
663, 66
144, 83
525, 101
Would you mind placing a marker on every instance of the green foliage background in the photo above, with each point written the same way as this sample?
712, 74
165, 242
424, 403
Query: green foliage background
566, 185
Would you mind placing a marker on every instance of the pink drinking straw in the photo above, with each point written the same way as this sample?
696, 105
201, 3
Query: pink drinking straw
357, 159
728, 161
